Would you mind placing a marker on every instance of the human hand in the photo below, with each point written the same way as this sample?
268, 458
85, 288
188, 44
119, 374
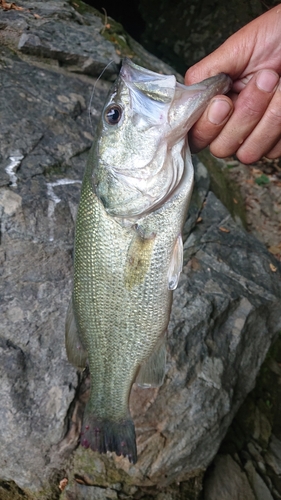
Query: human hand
247, 122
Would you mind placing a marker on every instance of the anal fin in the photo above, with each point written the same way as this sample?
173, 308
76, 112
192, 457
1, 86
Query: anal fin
152, 372
76, 353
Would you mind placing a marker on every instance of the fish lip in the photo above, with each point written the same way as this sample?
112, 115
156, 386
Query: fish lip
128, 70
228, 83
131, 72
224, 84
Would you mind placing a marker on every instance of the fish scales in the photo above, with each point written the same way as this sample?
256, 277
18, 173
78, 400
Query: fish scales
128, 248
112, 306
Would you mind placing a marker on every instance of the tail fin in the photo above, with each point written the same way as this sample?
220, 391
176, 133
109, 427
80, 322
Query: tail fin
107, 435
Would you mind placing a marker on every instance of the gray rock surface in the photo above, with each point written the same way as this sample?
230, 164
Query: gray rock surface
253, 439
228, 482
273, 456
259, 487
226, 310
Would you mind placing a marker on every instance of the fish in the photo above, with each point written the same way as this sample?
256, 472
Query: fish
128, 250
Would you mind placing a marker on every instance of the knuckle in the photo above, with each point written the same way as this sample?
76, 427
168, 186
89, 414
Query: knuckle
198, 139
275, 152
251, 110
221, 149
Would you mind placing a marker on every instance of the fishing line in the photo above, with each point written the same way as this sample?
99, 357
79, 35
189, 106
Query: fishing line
94, 88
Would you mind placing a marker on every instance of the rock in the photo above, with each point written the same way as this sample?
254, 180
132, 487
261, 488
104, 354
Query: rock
186, 32
227, 481
57, 33
93, 493
273, 455
259, 487
255, 451
262, 427
226, 309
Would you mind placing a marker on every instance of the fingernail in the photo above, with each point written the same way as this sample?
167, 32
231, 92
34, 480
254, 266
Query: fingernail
266, 80
218, 111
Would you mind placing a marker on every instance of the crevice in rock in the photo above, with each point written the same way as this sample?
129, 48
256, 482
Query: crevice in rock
74, 416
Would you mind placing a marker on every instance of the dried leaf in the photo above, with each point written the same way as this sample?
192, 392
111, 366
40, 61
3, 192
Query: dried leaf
235, 201
275, 250
63, 484
272, 267
195, 264
199, 219
37, 16
224, 229
9, 6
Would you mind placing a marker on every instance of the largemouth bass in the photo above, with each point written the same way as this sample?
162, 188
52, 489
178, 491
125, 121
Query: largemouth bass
128, 246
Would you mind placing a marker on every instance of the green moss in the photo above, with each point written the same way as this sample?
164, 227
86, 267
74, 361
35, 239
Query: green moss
119, 40
112, 30
10, 491
223, 187
262, 180
97, 470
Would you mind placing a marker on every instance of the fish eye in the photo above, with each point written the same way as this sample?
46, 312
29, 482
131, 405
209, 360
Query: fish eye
113, 114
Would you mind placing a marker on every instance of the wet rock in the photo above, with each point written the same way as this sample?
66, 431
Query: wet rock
226, 309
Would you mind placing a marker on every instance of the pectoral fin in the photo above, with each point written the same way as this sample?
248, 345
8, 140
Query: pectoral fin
176, 263
152, 372
76, 353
